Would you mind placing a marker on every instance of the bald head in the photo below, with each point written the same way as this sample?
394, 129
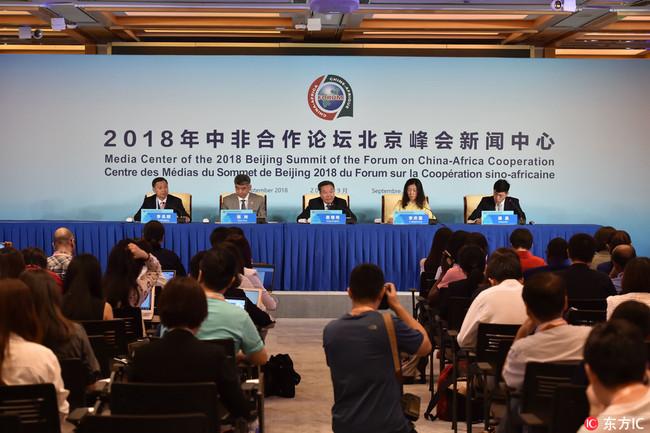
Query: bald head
63, 240
621, 255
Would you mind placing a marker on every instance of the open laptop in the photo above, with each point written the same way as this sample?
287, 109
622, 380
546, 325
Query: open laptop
238, 302
255, 295
148, 305
169, 274
266, 274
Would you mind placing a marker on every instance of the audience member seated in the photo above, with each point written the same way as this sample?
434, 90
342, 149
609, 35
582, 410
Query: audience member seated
329, 201
449, 269
82, 290
154, 233
621, 255
268, 303
413, 199
619, 237
635, 285
358, 353
616, 365
65, 338
35, 258
556, 257
217, 273
602, 237
582, 282
12, 263
544, 337
64, 246
22, 360
432, 262
501, 303
123, 283
636, 313
179, 356
521, 240
471, 260
219, 235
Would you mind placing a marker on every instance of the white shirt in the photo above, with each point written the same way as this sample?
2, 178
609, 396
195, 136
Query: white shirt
28, 363
560, 343
499, 304
633, 416
615, 301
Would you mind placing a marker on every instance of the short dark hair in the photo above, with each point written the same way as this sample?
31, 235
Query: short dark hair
616, 353
501, 185
158, 179
218, 268
634, 312
636, 277
478, 239
544, 294
504, 264
325, 183
521, 238
182, 303
153, 232
556, 251
195, 263
34, 256
242, 179
622, 254
619, 237
12, 263
602, 236
219, 235
244, 248
582, 247
366, 282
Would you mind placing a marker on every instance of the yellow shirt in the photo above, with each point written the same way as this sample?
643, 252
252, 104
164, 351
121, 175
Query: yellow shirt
413, 206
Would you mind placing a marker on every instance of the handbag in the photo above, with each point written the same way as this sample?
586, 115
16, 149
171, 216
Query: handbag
410, 402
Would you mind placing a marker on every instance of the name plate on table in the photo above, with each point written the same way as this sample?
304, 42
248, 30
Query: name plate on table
495, 217
410, 217
238, 216
162, 215
327, 217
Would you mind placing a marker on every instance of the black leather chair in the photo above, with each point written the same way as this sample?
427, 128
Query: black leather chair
35, 405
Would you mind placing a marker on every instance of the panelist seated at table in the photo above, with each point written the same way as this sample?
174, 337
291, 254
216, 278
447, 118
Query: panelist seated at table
163, 200
327, 201
499, 201
244, 199
414, 198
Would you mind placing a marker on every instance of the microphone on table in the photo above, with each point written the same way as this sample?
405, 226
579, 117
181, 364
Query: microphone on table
520, 218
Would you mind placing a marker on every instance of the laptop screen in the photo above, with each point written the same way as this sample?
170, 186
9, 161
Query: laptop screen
148, 305
254, 295
266, 274
238, 302
169, 274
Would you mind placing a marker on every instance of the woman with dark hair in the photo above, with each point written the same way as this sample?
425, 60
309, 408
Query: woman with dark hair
23, 361
413, 198
82, 290
268, 303
179, 356
154, 233
635, 285
65, 338
123, 283
12, 263
432, 262
35, 258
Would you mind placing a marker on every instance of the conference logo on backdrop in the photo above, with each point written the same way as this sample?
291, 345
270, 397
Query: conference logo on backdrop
330, 97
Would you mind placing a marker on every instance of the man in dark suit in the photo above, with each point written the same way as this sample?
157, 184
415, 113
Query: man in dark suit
327, 200
179, 357
498, 201
163, 200
582, 282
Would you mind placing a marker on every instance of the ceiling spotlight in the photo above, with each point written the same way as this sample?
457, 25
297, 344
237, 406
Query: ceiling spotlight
72, 25
563, 5
38, 34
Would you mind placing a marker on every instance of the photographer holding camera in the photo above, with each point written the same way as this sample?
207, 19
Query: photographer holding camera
358, 352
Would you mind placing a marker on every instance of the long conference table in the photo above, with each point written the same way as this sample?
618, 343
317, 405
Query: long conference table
307, 257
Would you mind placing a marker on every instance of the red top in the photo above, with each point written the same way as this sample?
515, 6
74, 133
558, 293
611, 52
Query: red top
529, 261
